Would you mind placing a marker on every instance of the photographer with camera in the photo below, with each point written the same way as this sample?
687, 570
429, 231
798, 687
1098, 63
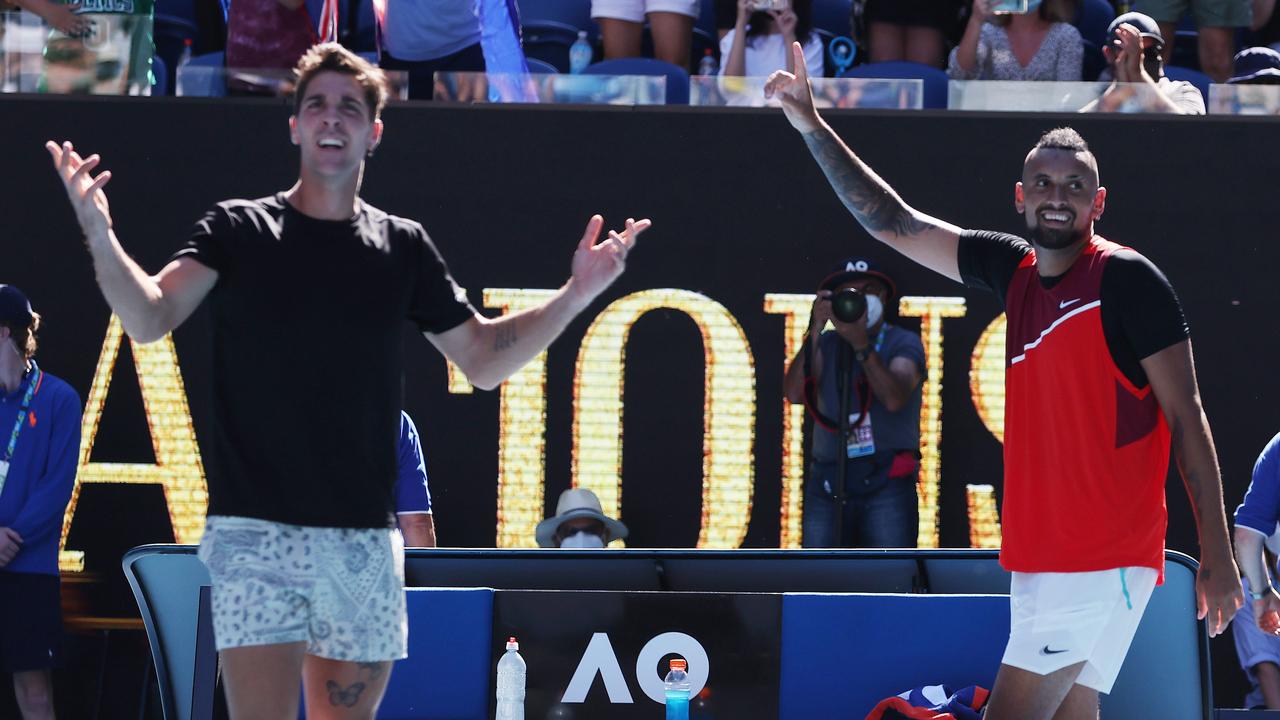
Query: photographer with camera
872, 370
760, 41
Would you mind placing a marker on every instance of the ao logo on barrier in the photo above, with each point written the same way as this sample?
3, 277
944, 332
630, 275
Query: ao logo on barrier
600, 658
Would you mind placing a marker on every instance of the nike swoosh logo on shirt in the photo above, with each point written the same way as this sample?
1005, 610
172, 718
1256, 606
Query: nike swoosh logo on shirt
1065, 303
1046, 651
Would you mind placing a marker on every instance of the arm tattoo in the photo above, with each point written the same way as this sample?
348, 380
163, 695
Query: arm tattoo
346, 697
505, 336
871, 201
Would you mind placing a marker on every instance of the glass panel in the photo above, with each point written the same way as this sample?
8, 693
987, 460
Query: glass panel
1030, 96
732, 91
471, 87
196, 79
1244, 99
112, 58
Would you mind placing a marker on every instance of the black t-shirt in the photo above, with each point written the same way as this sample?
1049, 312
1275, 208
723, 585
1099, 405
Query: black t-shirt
1141, 314
307, 320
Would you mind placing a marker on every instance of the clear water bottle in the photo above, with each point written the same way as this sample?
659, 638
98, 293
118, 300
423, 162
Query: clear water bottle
511, 670
677, 687
185, 57
708, 65
579, 54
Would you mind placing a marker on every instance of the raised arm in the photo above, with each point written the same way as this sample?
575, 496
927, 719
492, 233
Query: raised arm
149, 306
491, 350
1173, 379
927, 240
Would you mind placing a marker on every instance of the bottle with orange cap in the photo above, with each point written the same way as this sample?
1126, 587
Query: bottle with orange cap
677, 687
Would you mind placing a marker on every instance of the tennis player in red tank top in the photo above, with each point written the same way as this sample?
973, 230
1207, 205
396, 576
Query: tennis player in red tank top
1085, 461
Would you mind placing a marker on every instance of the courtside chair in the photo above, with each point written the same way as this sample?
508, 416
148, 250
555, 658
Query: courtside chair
935, 80
677, 77
159, 71
166, 582
540, 67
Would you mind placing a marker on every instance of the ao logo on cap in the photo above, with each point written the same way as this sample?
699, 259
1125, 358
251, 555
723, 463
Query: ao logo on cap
860, 266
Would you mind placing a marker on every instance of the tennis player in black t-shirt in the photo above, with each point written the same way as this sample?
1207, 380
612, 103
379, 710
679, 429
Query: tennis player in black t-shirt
1099, 384
307, 569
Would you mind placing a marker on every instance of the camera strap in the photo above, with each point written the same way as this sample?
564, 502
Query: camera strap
811, 391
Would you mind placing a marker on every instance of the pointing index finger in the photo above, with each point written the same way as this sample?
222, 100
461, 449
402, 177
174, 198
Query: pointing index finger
802, 72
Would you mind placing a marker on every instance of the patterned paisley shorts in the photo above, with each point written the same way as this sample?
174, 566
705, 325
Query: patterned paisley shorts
340, 590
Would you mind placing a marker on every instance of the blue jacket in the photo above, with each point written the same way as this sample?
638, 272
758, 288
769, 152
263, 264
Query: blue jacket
42, 473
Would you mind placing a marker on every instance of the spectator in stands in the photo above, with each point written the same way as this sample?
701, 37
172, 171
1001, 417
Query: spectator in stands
1216, 25
760, 41
1255, 66
579, 522
1040, 44
56, 15
911, 30
1258, 622
38, 454
425, 38
263, 35
1266, 25
886, 366
1134, 61
413, 497
670, 23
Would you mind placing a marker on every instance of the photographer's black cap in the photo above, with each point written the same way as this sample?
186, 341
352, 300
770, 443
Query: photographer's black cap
15, 309
856, 268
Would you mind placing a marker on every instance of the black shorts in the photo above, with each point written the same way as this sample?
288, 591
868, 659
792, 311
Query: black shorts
940, 14
30, 621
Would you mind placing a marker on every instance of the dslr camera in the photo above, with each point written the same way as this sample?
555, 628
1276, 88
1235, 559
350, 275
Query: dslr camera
848, 305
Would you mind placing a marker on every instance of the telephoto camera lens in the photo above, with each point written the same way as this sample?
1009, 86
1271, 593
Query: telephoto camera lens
848, 305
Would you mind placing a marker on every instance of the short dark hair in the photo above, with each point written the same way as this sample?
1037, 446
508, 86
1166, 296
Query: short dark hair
1065, 138
24, 336
332, 57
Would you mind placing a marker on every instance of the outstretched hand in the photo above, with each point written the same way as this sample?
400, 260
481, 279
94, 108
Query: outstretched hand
1218, 593
794, 93
85, 191
597, 265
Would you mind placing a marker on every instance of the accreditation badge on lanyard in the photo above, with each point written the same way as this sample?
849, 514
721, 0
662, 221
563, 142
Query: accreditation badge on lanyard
23, 411
861, 442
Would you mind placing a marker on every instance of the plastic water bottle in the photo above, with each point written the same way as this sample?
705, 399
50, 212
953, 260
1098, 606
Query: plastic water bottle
511, 670
708, 65
185, 57
579, 54
677, 687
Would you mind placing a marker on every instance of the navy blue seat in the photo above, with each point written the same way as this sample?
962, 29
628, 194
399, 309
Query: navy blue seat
574, 13
832, 16
1092, 19
208, 77
677, 77
1195, 77
935, 80
169, 34
539, 66
549, 41
160, 72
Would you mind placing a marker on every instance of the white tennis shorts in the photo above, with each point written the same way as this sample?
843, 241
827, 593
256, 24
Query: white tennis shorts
340, 590
1060, 619
635, 10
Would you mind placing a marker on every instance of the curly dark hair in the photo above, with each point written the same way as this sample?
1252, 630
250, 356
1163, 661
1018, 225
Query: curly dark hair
24, 337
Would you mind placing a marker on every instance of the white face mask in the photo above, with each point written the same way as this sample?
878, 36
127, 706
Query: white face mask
875, 309
583, 539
